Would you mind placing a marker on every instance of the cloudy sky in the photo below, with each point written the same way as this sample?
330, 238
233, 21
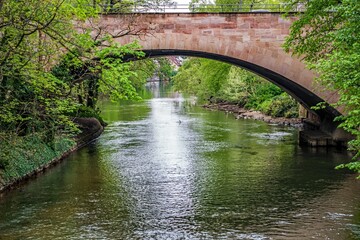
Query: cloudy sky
182, 1
182, 6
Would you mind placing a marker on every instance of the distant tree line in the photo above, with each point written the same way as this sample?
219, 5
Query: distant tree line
214, 81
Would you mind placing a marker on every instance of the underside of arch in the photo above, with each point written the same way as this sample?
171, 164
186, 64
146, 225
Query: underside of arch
301, 94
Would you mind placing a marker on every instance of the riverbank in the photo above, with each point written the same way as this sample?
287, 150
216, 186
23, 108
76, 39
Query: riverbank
241, 113
29, 159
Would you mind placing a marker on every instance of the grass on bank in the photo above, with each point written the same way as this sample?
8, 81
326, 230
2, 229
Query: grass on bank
20, 156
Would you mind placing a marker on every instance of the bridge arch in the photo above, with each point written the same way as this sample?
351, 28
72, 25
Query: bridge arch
305, 97
249, 40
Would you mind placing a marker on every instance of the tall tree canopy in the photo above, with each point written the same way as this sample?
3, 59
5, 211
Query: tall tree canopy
327, 36
48, 68
55, 60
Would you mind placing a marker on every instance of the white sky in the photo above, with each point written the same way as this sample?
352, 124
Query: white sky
182, 6
183, 1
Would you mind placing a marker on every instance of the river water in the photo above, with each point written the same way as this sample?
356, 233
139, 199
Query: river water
167, 169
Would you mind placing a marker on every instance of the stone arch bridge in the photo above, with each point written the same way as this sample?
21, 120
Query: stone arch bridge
249, 40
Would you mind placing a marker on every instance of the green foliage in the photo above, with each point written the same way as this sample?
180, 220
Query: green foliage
188, 78
280, 106
32, 98
327, 37
87, 112
22, 155
121, 6
143, 69
50, 72
354, 166
33, 34
235, 5
166, 70
115, 77
218, 81
147, 68
202, 77
262, 92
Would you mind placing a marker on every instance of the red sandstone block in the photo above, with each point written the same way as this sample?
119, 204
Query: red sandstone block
203, 26
180, 26
160, 31
183, 31
167, 26
231, 18
285, 31
228, 25
264, 25
215, 25
244, 26
236, 38
207, 32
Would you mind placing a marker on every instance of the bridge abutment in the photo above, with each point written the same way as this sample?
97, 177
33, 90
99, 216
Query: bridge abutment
319, 132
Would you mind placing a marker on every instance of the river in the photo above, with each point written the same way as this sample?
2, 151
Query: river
167, 169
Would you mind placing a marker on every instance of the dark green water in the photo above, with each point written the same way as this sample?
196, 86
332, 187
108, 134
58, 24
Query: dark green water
166, 169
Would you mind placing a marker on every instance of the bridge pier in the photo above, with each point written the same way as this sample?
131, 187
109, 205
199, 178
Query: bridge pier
321, 132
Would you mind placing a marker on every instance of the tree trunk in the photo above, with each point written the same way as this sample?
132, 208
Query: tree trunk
92, 92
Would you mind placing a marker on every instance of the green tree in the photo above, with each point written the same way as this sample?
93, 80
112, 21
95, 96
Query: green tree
144, 70
33, 33
126, 6
219, 82
34, 37
236, 5
327, 36
165, 70
202, 77
188, 78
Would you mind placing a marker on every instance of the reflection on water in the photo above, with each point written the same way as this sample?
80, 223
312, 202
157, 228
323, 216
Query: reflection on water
166, 169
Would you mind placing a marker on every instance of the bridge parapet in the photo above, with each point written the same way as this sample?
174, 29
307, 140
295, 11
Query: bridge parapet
174, 7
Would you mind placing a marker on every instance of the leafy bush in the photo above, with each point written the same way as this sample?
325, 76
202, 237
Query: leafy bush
3, 163
280, 106
88, 112
22, 155
263, 92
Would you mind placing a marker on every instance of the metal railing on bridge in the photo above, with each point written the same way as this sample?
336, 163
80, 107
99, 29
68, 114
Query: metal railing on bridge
173, 7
